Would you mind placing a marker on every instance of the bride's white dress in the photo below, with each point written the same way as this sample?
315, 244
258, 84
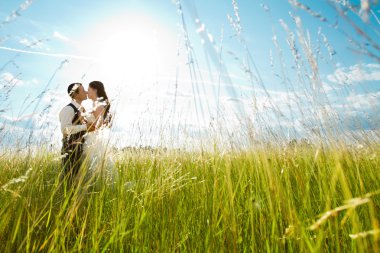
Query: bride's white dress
97, 150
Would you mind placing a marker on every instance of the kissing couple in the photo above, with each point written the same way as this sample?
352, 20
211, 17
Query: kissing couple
82, 131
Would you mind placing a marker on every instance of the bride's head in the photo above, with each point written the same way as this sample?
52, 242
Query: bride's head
96, 91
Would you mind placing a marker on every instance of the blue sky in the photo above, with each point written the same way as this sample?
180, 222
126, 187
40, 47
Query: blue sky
139, 49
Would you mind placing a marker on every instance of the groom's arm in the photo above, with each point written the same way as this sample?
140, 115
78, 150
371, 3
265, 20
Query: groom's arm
67, 127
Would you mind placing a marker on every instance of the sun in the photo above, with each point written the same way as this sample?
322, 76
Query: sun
132, 49
131, 52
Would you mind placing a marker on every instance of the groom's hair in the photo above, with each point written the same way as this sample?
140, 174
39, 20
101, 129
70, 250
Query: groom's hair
73, 89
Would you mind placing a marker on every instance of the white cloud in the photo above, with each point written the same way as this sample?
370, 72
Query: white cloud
32, 42
364, 101
34, 81
18, 119
355, 74
327, 87
65, 56
10, 79
13, 80
60, 36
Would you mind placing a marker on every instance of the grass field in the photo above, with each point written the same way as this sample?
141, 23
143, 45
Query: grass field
294, 199
216, 79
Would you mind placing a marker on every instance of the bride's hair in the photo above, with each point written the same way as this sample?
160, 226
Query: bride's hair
102, 95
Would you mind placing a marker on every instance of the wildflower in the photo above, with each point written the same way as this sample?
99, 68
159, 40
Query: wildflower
60, 157
17, 180
364, 234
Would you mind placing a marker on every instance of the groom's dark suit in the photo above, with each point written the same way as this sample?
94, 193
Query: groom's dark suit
73, 138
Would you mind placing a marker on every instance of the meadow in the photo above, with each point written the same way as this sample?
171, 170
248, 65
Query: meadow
298, 198
255, 190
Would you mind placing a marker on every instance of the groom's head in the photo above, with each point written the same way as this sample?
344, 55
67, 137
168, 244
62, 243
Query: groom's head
76, 91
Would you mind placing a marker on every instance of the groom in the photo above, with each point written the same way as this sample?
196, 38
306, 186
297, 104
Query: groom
73, 128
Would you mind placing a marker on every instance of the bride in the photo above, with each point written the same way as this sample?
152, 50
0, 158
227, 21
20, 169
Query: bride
96, 143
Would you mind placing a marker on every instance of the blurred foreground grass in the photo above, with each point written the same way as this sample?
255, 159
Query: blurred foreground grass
298, 199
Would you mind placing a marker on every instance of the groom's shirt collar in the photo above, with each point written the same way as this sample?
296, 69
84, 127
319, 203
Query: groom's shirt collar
76, 104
